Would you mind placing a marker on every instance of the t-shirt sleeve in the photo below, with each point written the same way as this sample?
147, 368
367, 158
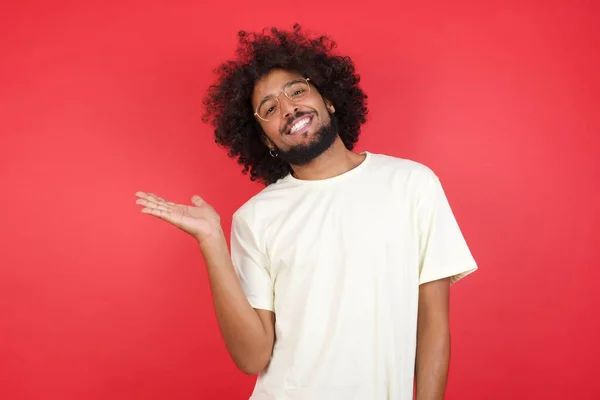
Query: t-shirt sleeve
251, 265
443, 250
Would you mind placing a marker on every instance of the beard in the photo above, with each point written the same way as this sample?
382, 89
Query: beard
322, 140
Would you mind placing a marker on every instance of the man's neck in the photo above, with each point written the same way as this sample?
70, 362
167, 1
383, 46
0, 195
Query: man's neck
333, 162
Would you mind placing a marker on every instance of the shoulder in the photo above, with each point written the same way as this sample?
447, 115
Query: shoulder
403, 170
254, 209
413, 182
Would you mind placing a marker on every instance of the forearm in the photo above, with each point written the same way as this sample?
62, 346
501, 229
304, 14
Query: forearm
433, 355
245, 335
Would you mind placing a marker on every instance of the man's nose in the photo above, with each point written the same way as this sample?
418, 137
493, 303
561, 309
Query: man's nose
288, 107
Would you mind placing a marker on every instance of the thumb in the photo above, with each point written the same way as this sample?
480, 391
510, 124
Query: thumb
197, 200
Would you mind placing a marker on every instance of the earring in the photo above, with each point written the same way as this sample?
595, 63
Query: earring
271, 153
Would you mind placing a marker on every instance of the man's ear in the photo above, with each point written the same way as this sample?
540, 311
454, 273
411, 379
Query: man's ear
268, 142
329, 106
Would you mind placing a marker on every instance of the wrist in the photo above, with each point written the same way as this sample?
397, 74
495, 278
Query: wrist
213, 241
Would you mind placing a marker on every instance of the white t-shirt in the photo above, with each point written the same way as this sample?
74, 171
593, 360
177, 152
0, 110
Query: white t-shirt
339, 261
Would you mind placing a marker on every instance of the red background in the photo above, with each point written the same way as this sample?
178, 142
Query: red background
97, 101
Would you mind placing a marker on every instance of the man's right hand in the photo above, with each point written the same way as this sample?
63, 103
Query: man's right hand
200, 220
249, 334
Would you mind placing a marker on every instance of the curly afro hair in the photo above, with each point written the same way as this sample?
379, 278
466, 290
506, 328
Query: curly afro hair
228, 102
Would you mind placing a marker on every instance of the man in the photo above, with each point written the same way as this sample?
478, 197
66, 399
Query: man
337, 284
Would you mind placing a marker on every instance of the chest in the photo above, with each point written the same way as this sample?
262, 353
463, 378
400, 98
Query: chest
350, 235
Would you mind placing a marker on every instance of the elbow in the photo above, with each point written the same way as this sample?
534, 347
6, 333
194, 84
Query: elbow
252, 363
253, 356
251, 368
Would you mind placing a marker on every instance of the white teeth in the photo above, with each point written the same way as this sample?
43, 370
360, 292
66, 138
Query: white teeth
299, 125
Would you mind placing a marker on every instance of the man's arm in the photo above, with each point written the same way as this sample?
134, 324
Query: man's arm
433, 340
248, 333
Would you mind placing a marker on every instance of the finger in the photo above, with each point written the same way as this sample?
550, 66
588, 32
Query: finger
141, 195
159, 199
154, 198
197, 200
153, 205
156, 212
147, 196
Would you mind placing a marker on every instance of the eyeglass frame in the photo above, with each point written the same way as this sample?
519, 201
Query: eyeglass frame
277, 97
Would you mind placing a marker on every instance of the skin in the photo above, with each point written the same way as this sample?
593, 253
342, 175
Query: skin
433, 340
335, 161
249, 333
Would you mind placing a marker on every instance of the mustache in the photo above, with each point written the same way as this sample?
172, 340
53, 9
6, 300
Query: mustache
288, 123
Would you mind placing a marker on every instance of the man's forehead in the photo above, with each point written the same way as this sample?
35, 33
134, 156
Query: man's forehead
274, 81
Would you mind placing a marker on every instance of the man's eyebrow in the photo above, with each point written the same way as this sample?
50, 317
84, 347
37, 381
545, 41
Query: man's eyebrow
264, 100
267, 97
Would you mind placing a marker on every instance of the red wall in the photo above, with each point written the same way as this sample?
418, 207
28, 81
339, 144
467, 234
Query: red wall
97, 101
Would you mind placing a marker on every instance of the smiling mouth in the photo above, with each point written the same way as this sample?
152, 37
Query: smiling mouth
300, 125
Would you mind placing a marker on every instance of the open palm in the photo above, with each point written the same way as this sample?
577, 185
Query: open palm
199, 220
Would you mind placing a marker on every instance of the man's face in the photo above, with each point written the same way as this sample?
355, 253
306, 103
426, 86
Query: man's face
300, 130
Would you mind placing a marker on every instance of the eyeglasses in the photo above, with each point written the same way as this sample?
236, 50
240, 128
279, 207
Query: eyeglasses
295, 90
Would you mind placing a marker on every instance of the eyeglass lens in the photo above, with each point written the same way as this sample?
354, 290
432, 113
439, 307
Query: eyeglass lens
295, 91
